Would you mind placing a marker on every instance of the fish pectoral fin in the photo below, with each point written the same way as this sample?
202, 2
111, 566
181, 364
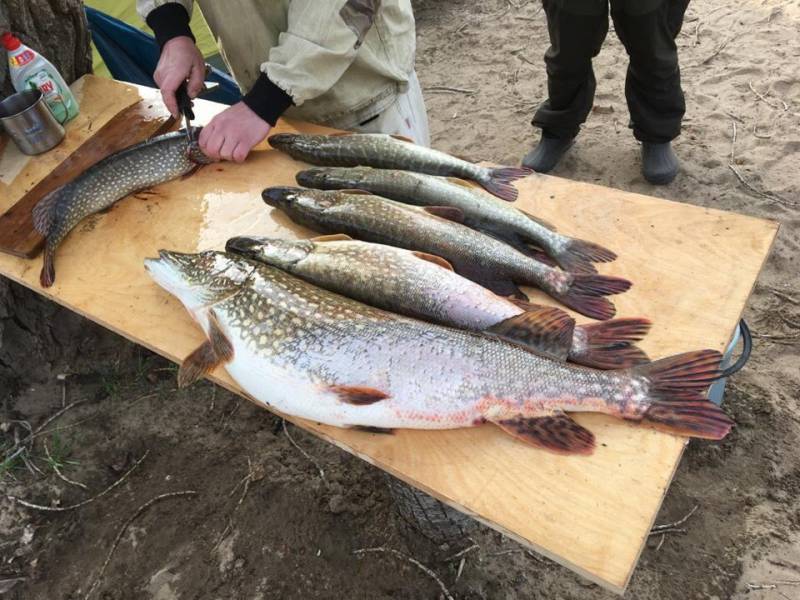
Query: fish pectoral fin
45, 211
557, 433
403, 138
358, 395
545, 328
451, 213
199, 363
432, 258
334, 237
215, 351
370, 429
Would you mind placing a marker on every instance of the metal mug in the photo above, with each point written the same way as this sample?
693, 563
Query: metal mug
29, 122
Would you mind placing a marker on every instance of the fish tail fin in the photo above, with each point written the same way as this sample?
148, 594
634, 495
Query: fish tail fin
499, 182
578, 256
586, 294
48, 275
609, 345
677, 387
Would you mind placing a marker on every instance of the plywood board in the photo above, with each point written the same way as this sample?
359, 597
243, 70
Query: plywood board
589, 513
100, 99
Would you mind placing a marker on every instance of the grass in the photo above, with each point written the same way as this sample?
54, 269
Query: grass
59, 453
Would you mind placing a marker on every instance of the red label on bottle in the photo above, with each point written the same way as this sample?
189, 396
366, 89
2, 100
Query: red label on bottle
23, 58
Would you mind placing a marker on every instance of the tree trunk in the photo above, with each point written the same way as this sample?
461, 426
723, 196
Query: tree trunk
35, 333
55, 28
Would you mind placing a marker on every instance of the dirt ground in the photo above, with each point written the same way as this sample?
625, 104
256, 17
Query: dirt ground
265, 524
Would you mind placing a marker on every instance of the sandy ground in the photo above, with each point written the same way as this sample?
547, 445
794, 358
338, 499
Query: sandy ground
265, 524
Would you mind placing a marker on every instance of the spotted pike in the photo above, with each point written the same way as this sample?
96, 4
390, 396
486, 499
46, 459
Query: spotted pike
395, 152
310, 353
473, 254
424, 286
480, 210
135, 168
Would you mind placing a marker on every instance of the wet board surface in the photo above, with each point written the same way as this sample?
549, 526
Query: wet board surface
592, 513
90, 137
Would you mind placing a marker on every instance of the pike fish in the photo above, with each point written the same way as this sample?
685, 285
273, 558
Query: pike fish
310, 353
424, 286
474, 255
135, 168
481, 211
395, 152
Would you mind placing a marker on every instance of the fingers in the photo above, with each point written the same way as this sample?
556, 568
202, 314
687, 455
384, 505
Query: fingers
240, 152
169, 84
228, 146
196, 78
211, 141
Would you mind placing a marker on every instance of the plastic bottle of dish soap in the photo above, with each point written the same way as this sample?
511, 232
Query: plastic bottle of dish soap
30, 69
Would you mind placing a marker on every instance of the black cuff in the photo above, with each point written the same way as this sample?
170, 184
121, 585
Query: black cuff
169, 21
267, 100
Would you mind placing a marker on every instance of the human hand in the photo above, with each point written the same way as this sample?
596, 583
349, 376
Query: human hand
232, 133
180, 60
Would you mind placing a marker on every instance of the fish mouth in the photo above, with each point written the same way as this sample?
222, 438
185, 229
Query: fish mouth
278, 197
245, 246
312, 178
281, 140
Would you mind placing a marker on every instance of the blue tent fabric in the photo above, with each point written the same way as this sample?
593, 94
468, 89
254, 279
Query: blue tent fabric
132, 55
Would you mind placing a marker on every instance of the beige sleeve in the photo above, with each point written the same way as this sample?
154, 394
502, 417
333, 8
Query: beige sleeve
318, 46
144, 7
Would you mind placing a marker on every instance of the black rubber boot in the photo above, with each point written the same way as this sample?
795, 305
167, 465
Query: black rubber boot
659, 163
547, 154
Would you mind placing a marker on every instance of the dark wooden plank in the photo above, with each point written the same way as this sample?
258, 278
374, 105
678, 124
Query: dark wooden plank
136, 123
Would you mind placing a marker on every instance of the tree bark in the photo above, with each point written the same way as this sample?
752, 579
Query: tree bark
36, 334
55, 28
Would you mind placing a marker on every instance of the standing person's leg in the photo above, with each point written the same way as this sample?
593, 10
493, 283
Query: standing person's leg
406, 116
577, 29
653, 84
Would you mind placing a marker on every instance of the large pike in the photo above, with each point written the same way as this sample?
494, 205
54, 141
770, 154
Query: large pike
393, 152
474, 255
424, 286
481, 211
157, 160
310, 353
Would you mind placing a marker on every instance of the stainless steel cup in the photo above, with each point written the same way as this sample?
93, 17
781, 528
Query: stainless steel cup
30, 123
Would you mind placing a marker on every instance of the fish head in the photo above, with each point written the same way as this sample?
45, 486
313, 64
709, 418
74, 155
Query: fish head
332, 178
199, 280
283, 254
300, 202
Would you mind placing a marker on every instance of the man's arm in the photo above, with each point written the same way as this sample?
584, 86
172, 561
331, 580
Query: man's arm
319, 45
180, 58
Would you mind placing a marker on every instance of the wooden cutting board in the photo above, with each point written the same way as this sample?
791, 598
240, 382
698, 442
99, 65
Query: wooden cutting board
113, 116
591, 513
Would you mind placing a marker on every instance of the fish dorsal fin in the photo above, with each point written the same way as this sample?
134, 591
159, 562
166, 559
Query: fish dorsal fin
524, 304
557, 433
334, 237
461, 182
402, 138
44, 212
356, 192
358, 395
432, 258
215, 351
545, 329
451, 213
